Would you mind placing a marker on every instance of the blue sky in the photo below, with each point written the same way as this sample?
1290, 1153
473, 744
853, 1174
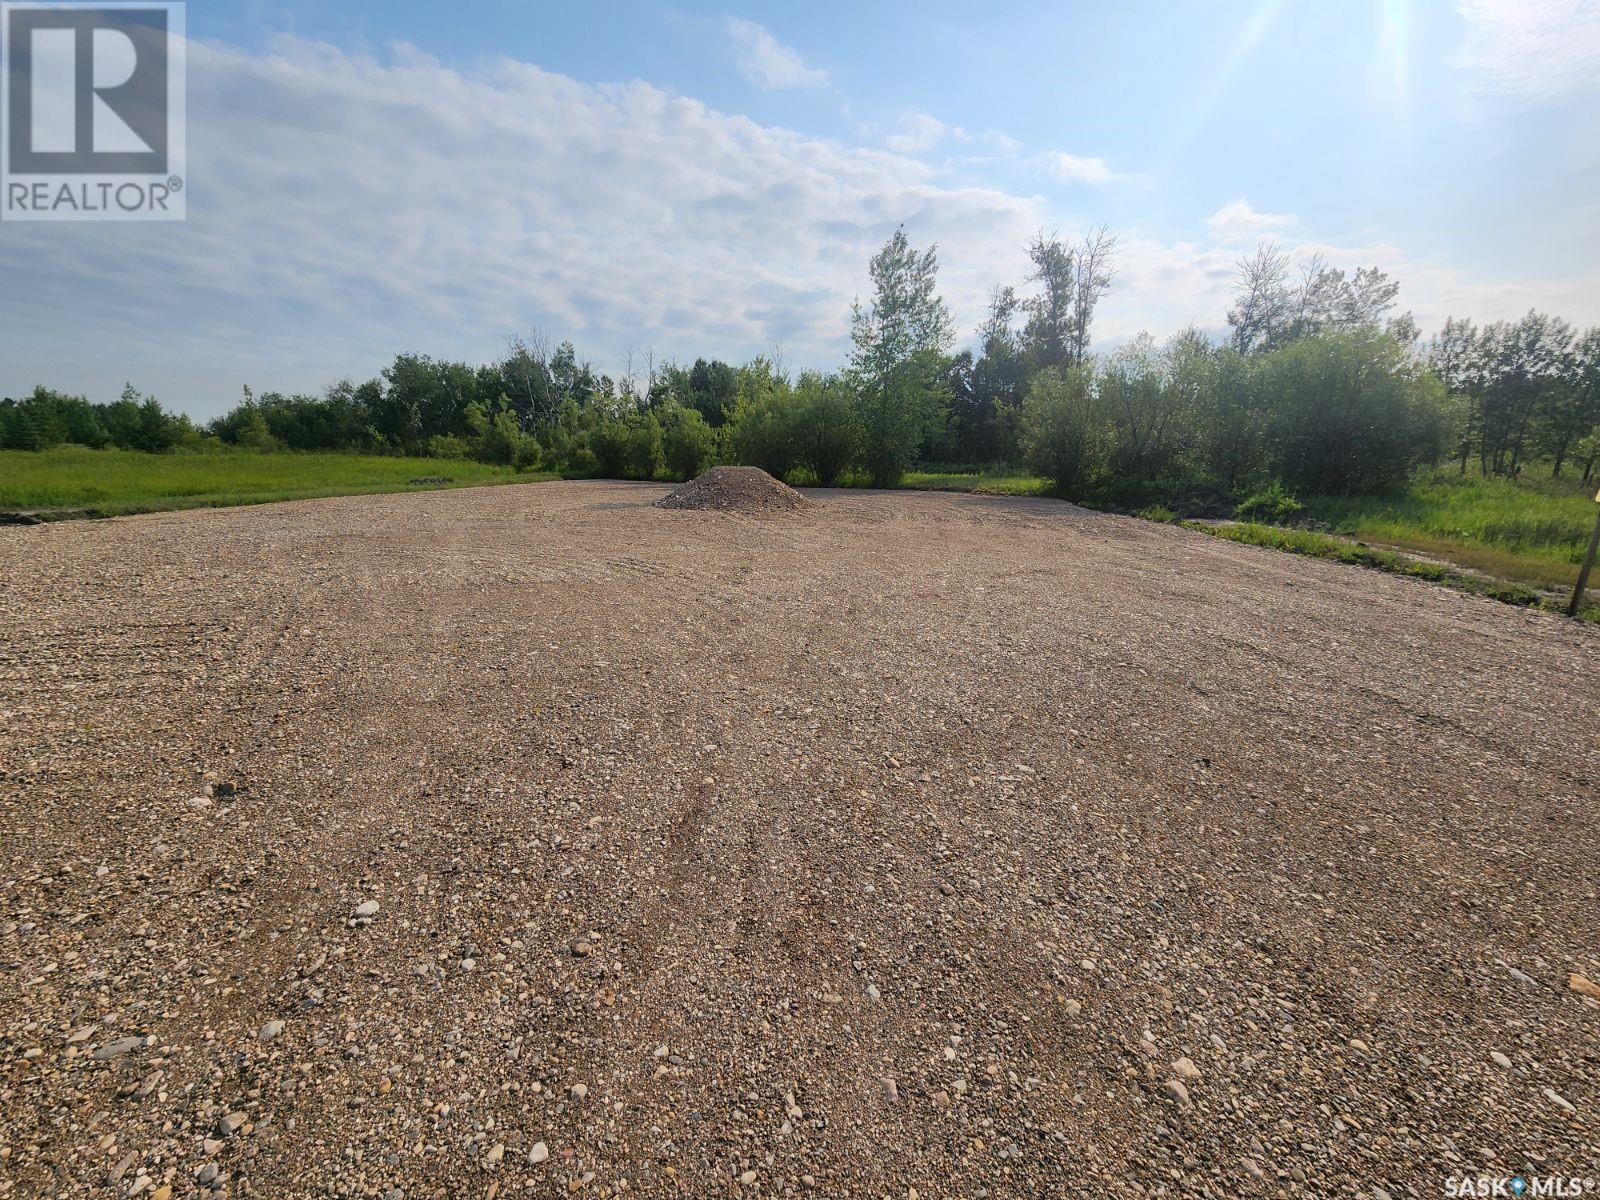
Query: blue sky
679, 180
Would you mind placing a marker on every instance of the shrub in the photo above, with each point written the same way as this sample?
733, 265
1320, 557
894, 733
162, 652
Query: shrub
1063, 436
444, 446
826, 436
1353, 414
1157, 512
689, 442
765, 436
1271, 505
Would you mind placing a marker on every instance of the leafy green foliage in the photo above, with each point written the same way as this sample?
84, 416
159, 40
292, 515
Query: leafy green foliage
1064, 435
1272, 504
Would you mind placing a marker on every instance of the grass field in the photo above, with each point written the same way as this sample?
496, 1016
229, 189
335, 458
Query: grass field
125, 481
1532, 531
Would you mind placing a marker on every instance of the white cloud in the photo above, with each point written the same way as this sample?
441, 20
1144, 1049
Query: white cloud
1543, 50
344, 208
1077, 168
1236, 221
767, 62
920, 131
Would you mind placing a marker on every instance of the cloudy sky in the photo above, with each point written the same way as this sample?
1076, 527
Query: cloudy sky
370, 176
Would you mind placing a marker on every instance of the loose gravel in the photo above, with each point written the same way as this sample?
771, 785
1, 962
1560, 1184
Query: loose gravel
535, 841
735, 489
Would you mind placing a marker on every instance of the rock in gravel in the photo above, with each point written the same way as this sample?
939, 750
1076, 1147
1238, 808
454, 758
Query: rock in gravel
1185, 1070
1500, 1060
270, 1030
367, 908
891, 1091
117, 1048
1177, 1093
539, 1153
579, 1091
1583, 985
494, 1154
1559, 1100
230, 1123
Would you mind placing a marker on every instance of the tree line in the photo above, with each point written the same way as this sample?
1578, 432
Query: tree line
1318, 387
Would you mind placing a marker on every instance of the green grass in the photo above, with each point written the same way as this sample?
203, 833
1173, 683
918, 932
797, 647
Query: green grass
1531, 531
1334, 549
986, 483
112, 482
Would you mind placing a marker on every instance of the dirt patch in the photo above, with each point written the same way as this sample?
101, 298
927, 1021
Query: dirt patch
735, 489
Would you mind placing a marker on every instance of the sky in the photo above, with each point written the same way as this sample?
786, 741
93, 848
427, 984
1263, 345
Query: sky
367, 177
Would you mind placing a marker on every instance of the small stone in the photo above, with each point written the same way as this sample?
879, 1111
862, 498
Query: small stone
891, 1093
116, 1049
582, 948
1185, 1069
747, 1178
494, 1154
206, 1174
1583, 986
579, 1091
539, 1153
199, 803
164, 1192
1359, 1046
1177, 1093
1074, 1007
1251, 1169
1559, 1101
1500, 1060
270, 1030
873, 993
367, 908
231, 1123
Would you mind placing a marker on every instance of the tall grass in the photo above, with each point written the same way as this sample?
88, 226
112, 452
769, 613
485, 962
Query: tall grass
127, 481
1533, 530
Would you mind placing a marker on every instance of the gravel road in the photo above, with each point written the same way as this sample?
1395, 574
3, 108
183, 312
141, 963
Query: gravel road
532, 840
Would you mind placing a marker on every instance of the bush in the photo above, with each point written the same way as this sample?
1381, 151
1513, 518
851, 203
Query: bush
1353, 414
646, 448
1158, 513
1063, 436
765, 436
826, 437
1272, 505
442, 446
689, 443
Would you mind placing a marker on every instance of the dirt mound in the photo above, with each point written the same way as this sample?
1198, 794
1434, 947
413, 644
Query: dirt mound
735, 489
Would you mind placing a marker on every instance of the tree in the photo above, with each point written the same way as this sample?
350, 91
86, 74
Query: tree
1453, 356
825, 435
1149, 413
689, 443
899, 340
1570, 404
1063, 433
1072, 281
1263, 301
1353, 413
766, 434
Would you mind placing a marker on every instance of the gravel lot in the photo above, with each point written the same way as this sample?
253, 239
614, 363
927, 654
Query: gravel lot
535, 841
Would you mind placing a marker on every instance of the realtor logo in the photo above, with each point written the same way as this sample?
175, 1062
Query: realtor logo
93, 127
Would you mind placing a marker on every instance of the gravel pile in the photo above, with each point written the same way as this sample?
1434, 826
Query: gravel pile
735, 489
514, 841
